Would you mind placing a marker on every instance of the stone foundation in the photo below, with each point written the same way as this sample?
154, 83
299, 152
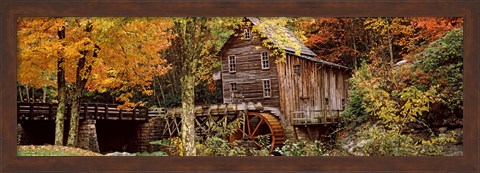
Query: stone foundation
147, 132
87, 137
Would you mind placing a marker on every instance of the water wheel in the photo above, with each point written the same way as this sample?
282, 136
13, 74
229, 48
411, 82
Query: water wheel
262, 129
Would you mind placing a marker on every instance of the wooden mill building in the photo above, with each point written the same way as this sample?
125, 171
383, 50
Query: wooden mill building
301, 90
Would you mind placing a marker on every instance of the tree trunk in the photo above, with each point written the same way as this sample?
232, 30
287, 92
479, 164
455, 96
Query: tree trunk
188, 116
33, 94
60, 116
62, 94
74, 117
161, 91
80, 82
20, 93
44, 90
27, 92
355, 63
390, 41
390, 45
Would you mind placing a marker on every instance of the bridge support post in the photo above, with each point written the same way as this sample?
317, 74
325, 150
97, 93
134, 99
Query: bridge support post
147, 132
87, 135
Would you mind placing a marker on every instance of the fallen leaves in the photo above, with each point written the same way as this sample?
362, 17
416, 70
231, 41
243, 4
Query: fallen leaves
52, 150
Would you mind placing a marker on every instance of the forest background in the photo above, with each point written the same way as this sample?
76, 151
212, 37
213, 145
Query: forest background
407, 73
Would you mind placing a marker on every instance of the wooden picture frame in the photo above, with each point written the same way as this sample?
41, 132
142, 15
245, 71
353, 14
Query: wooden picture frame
10, 10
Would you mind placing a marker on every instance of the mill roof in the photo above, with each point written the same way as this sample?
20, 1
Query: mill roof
269, 31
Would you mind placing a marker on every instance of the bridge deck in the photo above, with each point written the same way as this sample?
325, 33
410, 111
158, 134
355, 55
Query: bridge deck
47, 111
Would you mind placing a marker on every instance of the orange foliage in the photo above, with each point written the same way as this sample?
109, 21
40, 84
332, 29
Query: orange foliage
126, 49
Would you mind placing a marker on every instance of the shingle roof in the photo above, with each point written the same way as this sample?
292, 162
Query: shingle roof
305, 51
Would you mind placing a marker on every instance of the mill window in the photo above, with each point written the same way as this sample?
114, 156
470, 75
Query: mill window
265, 64
267, 90
247, 34
231, 64
233, 87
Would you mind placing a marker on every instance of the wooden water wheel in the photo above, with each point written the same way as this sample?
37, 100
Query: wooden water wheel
261, 128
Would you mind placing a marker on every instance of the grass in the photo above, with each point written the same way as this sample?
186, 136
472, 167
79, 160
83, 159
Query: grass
52, 150
157, 153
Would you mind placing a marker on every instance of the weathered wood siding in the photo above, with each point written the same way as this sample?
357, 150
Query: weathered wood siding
249, 73
311, 87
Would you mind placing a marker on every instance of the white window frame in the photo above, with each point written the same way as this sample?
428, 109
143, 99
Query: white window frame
265, 60
247, 34
233, 87
232, 64
267, 88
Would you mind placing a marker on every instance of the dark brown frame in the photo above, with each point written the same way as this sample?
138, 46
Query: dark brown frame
10, 10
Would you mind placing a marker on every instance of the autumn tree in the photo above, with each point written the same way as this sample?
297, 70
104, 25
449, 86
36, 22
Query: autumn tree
194, 48
93, 54
40, 57
339, 40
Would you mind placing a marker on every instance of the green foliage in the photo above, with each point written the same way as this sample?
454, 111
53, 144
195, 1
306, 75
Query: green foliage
222, 129
386, 142
215, 146
415, 102
160, 142
355, 111
172, 146
301, 148
204, 94
380, 141
215, 143
443, 60
264, 141
445, 51
434, 146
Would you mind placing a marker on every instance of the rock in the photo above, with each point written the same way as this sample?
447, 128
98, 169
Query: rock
456, 153
362, 143
455, 150
442, 129
120, 154
250, 106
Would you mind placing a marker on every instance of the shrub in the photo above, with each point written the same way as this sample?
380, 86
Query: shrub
380, 141
354, 110
301, 148
215, 146
386, 142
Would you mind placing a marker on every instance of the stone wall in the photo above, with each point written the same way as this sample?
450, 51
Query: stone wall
147, 132
87, 137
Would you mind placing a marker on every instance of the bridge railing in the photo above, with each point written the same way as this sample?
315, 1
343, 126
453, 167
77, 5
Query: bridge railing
315, 117
47, 111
